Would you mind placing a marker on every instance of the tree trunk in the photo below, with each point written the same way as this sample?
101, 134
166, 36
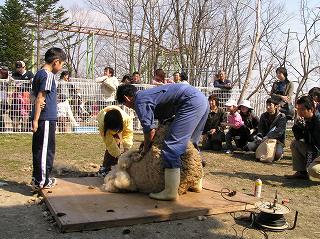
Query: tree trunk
253, 52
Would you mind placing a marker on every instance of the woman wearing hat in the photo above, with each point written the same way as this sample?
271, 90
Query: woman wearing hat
237, 131
251, 121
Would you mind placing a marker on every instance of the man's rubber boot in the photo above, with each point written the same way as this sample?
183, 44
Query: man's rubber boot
171, 182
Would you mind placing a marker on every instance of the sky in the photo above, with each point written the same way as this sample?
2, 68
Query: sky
292, 8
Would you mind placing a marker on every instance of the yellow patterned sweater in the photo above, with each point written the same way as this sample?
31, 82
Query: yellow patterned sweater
127, 132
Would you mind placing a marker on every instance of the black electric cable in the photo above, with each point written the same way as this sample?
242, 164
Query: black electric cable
271, 220
228, 192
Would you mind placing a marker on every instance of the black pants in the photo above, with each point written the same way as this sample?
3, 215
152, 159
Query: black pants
240, 136
43, 151
214, 141
108, 159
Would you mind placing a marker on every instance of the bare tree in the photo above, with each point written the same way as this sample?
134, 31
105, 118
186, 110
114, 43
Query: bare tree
253, 51
73, 43
308, 43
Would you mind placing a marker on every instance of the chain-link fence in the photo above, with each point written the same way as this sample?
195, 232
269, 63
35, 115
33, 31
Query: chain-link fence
79, 102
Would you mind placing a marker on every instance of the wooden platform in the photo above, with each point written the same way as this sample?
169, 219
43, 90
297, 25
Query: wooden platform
78, 204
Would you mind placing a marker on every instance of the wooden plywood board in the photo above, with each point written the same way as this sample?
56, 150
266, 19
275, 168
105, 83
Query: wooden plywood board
79, 204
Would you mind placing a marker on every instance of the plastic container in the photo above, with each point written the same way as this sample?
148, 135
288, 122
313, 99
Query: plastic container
257, 188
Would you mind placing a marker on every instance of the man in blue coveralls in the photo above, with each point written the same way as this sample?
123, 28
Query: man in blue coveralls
190, 110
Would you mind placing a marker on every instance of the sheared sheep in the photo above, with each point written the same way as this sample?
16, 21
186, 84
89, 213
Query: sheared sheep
146, 174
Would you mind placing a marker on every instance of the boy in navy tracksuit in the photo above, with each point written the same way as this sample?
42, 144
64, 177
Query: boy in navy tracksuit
44, 118
190, 110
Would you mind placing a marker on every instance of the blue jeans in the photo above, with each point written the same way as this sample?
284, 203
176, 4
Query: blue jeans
187, 126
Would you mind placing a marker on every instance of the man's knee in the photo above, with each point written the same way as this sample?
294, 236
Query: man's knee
252, 146
294, 144
314, 170
278, 155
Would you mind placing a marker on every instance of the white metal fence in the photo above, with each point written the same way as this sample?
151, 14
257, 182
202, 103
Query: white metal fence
85, 100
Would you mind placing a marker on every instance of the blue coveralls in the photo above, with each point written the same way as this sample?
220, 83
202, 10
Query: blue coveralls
190, 108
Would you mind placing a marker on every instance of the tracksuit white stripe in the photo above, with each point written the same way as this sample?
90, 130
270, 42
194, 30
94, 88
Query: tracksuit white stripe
49, 81
44, 153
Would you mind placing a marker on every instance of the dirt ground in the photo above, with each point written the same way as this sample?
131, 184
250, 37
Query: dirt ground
24, 215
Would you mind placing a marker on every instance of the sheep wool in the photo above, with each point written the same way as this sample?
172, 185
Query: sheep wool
146, 174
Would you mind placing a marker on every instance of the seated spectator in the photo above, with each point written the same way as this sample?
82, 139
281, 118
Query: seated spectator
159, 77
236, 127
65, 115
250, 120
315, 94
126, 79
224, 86
176, 77
305, 148
213, 133
272, 125
136, 79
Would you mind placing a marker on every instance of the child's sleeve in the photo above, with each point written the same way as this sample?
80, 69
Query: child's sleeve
238, 122
127, 133
46, 81
111, 145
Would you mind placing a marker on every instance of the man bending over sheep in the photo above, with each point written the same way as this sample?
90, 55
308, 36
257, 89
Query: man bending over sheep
190, 110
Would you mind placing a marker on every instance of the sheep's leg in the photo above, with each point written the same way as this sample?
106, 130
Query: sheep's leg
172, 181
197, 187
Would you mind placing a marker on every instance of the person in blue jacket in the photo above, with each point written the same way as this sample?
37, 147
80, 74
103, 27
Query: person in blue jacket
189, 109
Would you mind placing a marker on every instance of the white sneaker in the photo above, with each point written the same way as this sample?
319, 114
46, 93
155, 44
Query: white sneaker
52, 182
228, 152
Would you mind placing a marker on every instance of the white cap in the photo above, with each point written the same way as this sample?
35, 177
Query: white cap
246, 103
231, 103
20, 64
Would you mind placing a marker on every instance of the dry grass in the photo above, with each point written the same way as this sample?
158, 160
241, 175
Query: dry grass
79, 154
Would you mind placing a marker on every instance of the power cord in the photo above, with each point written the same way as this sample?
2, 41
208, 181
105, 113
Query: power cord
231, 193
227, 192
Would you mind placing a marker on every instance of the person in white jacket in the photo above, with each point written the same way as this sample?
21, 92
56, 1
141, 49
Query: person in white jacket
65, 114
108, 83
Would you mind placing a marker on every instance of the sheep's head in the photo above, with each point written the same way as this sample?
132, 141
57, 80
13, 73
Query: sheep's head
127, 158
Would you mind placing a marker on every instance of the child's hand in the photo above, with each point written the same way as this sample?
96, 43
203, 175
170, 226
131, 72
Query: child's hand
34, 126
42, 105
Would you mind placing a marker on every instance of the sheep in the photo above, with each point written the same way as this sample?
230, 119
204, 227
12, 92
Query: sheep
146, 174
